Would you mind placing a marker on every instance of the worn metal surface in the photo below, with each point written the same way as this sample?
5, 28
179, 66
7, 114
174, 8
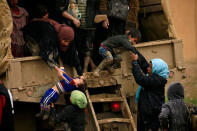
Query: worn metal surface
32, 73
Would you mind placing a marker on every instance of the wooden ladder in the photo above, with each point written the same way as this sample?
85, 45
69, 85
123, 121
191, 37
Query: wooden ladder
127, 116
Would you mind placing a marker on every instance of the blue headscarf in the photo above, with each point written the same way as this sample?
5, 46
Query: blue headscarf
160, 68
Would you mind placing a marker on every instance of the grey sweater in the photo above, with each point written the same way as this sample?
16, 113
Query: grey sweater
118, 41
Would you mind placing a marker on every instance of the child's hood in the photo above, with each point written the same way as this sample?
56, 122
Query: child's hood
175, 91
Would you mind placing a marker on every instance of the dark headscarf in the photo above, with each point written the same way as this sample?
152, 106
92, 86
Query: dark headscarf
64, 32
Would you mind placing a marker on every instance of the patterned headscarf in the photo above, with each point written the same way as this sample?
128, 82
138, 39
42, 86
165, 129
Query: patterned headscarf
64, 32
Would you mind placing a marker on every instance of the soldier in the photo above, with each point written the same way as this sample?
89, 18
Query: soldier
121, 15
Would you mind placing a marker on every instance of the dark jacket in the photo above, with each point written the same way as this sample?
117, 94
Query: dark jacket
118, 41
174, 114
46, 37
151, 96
73, 115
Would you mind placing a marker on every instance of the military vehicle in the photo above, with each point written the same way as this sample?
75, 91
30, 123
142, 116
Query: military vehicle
111, 96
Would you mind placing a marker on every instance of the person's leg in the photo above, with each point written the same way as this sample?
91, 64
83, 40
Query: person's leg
108, 60
88, 47
92, 64
50, 96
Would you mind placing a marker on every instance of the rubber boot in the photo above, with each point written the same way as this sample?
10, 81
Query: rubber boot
105, 63
98, 69
117, 61
110, 69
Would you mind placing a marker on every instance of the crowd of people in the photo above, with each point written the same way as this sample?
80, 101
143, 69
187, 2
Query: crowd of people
66, 30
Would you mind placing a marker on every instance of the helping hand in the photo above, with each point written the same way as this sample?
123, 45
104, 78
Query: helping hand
106, 24
76, 22
60, 72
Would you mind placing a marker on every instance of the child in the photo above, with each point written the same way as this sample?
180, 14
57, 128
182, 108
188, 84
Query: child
74, 114
65, 85
106, 47
151, 91
174, 113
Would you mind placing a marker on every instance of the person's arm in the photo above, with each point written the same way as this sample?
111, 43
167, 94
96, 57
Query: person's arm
124, 41
140, 78
103, 10
164, 117
66, 15
142, 62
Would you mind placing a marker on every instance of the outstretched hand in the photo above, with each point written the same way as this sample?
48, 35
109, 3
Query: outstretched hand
134, 57
60, 72
106, 24
76, 22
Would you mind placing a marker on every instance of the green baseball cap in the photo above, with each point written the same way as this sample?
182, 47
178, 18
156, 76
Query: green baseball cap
78, 98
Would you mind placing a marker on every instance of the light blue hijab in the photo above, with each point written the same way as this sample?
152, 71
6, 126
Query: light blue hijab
160, 68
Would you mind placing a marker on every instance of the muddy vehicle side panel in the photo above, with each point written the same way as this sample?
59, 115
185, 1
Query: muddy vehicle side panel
28, 78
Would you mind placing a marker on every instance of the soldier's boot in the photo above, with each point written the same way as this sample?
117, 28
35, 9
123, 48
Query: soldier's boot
117, 61
46, 115
86, 62
100, 18
110, 69
105, 63
98, 69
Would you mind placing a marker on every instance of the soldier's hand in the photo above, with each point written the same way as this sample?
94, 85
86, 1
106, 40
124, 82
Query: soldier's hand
106, 24
133, 56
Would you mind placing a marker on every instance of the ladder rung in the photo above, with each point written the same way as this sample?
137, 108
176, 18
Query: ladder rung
109, 120
111, 99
